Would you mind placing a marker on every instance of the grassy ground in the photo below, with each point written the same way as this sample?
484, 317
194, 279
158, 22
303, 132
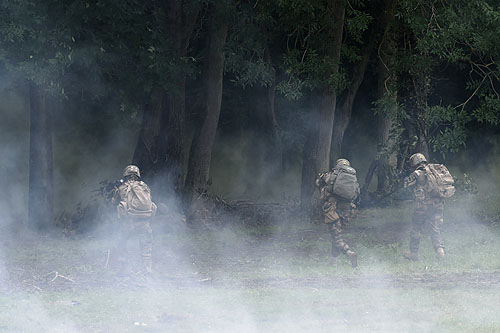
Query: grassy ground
262, 279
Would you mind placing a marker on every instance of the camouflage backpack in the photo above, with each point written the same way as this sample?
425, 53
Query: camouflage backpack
346, 183
439, 181
137, 201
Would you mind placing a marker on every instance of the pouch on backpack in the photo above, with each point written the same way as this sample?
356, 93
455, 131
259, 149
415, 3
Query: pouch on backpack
440, 182
138, 200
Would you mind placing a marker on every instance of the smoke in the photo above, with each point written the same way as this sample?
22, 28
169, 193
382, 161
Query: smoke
275, 277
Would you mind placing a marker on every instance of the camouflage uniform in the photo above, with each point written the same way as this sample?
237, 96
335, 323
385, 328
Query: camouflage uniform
336, 213
427, 210
132, 226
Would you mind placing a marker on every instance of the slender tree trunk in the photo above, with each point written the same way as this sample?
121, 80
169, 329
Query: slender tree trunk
201, 149
270, 147
274, 155
386, 89
318, 144
146, 152
41, 191
343, 114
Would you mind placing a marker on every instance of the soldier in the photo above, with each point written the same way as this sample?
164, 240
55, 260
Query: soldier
339, 188
431, 183
135, 209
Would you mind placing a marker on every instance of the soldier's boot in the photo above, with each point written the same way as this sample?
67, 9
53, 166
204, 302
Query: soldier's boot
353, 256
440, 253
412, 256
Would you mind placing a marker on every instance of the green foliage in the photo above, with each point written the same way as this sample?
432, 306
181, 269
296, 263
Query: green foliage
461, 33
488, 110
307, 62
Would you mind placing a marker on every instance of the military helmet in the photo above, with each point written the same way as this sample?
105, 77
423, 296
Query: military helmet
131, 170
342, 161
416, 159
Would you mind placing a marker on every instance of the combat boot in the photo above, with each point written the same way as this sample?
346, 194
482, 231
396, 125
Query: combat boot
412, 256
440, 253
353, 256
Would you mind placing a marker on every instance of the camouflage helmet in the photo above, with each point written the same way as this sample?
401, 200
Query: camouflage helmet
131, 170
416, 159
342, 161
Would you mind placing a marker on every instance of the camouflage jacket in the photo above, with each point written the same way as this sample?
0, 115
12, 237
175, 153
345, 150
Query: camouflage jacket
418, 181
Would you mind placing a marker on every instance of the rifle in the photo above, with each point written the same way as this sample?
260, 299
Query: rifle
107, 188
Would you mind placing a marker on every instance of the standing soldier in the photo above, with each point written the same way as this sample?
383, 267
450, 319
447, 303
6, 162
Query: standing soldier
431, 183
339, 188
135, 209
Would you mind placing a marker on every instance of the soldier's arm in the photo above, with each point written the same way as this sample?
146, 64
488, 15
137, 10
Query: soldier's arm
115, 196
411, 179
357, 200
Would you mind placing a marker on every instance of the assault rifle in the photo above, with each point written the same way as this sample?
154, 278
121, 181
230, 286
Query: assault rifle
107, 189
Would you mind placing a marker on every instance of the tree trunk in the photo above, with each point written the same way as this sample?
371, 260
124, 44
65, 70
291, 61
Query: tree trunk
319, 140
386, 88
146, 151
160, 149
201, 149
343, 114
41, 190
269, 145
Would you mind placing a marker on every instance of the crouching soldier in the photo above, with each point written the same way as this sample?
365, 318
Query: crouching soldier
431, 183
339, 188
135, 209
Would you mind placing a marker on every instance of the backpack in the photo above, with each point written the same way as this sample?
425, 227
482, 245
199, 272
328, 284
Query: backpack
137, 201
346, 184
439, 181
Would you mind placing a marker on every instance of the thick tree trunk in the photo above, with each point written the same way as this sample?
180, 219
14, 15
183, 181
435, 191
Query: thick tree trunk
318, 144
343, 114
160, 149
41, 191
201, 149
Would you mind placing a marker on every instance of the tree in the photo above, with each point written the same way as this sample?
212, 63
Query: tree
438, 34
201, 147
35, 49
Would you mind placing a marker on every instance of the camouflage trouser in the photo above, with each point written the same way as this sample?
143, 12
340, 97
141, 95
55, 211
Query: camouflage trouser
336, 214
431, 212
136, 227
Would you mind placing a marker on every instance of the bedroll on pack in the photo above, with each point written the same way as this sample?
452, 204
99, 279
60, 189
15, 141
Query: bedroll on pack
138, 201
346, 184
439, 181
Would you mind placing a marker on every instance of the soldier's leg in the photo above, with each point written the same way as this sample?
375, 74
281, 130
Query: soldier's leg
435, 222
146, 245
417, 223
337, 239
340, 245
331, 218
120, 250
345, 212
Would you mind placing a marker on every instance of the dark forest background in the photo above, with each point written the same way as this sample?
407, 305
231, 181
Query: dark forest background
246, 99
